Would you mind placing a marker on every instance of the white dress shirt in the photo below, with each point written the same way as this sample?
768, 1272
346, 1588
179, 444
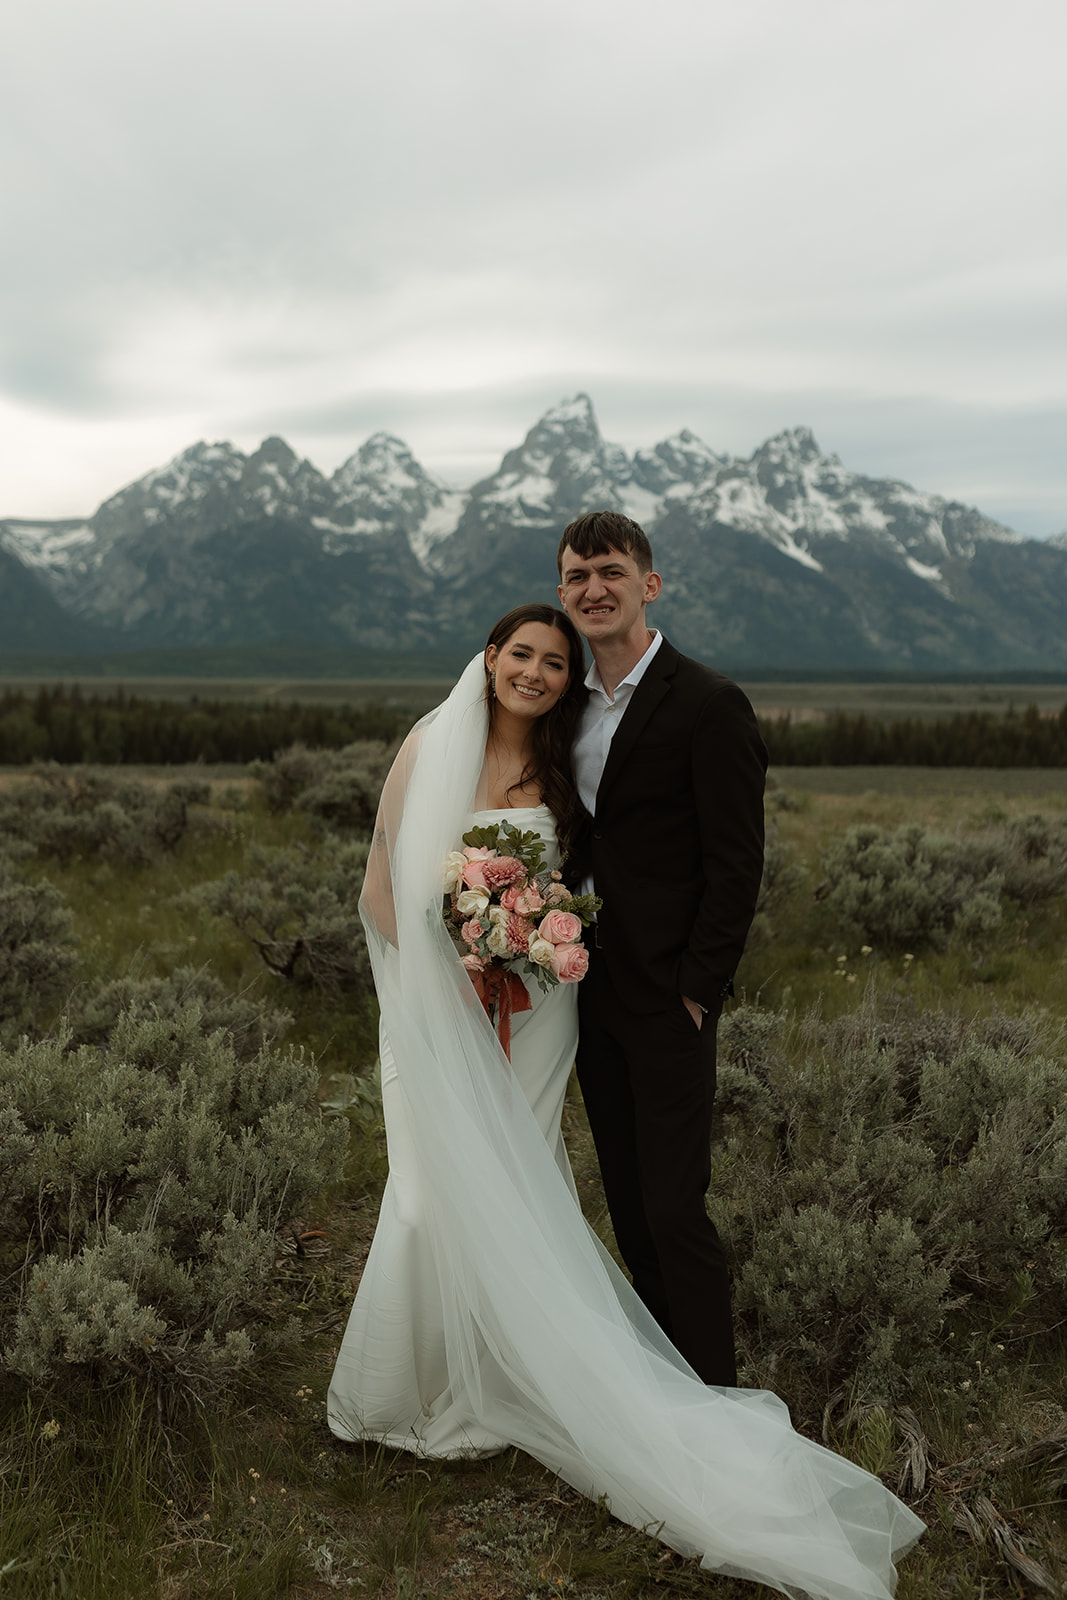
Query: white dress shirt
600, 718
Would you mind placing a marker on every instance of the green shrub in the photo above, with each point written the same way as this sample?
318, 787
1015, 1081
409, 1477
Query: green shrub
913, 887
68, 814
143, 1182
910, 888
883, 1176
36, 948
299, 908
248, 1024
342, 787
1032, 854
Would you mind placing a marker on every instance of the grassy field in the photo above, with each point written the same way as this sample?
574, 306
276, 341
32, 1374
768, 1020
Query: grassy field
254, 1498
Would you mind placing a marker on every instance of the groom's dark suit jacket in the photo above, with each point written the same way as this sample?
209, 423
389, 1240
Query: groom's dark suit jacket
676, 845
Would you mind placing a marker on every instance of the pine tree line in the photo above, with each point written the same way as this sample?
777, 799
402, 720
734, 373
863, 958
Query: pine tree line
965, 739
67, 726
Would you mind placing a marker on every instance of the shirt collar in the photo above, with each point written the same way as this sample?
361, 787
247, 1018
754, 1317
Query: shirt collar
594, 681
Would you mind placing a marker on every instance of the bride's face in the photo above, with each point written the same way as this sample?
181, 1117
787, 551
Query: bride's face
531, 669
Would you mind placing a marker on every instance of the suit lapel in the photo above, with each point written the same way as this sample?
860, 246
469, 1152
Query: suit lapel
646, 697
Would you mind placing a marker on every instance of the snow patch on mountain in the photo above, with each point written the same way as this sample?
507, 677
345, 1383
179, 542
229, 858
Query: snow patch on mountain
439, 524
789, 547
931, 574
46, 546
641, 504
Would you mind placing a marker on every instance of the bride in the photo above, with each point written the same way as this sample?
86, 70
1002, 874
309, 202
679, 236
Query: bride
488, 1313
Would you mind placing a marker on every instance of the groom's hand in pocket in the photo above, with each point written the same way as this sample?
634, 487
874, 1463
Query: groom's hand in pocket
695, 1011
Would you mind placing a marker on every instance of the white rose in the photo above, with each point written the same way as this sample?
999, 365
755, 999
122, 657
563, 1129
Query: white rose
498, 916
541, 952
455, 861
472, 902
497, 942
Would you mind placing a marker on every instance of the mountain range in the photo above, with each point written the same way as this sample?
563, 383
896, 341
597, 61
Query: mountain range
783, 559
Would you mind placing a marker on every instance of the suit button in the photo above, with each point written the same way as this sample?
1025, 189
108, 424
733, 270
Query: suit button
597, 833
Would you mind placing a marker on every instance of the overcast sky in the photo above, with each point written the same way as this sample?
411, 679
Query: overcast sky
226, 219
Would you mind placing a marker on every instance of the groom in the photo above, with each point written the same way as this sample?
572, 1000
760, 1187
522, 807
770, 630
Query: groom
670, 766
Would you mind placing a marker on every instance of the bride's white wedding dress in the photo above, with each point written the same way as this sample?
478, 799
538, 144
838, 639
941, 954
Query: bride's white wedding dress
391, 1380
489, 1314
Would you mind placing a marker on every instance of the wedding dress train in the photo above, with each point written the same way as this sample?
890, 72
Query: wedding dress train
489, 1313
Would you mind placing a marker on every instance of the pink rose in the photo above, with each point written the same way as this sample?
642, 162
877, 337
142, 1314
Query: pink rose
474, 871
501, 871
518, 934
523, 898
570, 962
561, 927
473, 963
472, 931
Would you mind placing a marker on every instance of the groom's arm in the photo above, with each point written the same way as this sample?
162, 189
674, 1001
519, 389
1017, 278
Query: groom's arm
728, 764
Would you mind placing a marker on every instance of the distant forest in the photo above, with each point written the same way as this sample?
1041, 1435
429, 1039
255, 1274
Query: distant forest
68, 726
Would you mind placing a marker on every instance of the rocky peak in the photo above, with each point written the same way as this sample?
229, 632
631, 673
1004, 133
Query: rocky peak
566, 435
790, 469
383, 484
276, 479
188, 476
179, 486
682, 460
382, 467
562, 467
791, 453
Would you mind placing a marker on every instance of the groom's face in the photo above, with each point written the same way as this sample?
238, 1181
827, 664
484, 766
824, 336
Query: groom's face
605, 595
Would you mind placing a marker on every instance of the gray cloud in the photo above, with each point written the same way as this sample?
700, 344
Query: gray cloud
229, 218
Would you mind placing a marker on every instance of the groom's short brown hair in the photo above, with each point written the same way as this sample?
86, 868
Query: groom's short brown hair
598, 532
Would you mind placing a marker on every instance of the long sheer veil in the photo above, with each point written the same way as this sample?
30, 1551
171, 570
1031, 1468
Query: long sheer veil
544, 1336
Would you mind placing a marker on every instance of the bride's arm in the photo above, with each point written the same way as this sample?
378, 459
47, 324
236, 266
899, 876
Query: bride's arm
376, 903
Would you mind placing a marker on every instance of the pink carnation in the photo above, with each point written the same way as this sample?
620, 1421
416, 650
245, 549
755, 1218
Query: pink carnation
473, 963
517, 931
474, 871
521, 897
501, 871
561, 927
472, 931
570, 962
557, 895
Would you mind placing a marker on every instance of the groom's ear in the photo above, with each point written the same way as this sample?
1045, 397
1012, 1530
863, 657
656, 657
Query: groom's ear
653, 585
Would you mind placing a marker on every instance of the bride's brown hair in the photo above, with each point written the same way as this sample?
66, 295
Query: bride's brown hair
551, 736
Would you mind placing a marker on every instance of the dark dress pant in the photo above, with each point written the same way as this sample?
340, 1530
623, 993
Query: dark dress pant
648, 1082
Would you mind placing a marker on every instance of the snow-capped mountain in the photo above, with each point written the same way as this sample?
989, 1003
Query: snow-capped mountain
784, 558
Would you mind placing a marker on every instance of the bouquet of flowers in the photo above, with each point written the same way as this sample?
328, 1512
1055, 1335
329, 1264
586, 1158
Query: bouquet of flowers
510, 915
